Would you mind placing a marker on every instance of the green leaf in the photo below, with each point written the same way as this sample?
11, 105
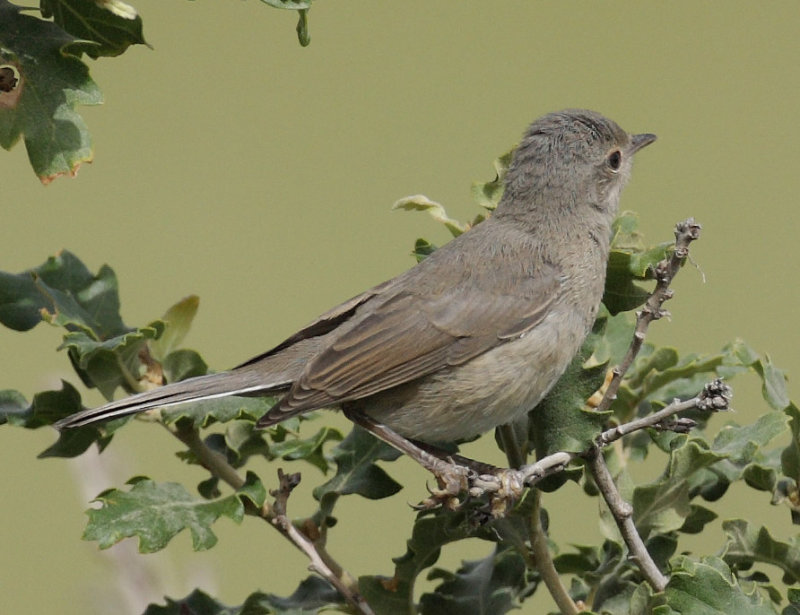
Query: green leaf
46, 408
697, 519
790, 456
308, 449
182, 364
488, 194
420, 202
708, 588
774, 387
489, 586
110, 24
198, 602
109, 363
423, 249
177, 320
628, 261
66, 292
313, 595
14, 409
50, 83
155, 513
561, 422
356, 471
222, 409
663, 505
748, 544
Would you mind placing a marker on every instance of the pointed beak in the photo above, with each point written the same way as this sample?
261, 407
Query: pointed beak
640, 141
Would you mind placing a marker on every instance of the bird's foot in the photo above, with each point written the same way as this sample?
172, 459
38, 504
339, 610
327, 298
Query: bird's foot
457, 483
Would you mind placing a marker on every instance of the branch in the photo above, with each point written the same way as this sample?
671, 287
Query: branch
685, 233
716, 395
623, 515
319, 564
275, 514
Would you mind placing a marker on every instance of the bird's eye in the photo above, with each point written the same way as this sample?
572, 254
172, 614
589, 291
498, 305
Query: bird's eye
614, 160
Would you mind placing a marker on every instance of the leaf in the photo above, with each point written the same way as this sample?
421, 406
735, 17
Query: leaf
697, 519
221, 410
198, 602
561, 422
774, 383
708, 588
488, 194
790, 456
313, 595
182, 364
308, 449
489, 586
14, 409
628, 261
748, 544
745, 457
356, 471
419, 202
155, 513
110, 363
177, 321
423, 249
663, 505
51, 82
66, 291
110, 24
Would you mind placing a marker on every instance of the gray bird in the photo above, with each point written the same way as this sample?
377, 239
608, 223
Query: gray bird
476, 334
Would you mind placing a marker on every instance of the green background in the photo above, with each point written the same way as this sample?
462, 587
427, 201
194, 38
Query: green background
234, 164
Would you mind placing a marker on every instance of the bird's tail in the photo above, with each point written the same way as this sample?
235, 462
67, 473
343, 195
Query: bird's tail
222, 384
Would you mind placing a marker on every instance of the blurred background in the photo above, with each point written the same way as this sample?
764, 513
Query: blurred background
234, 164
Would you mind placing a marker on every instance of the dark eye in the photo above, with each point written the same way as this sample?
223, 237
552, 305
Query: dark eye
614, 160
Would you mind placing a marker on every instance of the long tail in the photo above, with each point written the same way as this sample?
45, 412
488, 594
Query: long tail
222, 384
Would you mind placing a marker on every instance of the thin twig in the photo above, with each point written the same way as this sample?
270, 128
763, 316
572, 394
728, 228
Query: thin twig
623, 515
685, 233
542, 558
280, 520
275, 514
544, 561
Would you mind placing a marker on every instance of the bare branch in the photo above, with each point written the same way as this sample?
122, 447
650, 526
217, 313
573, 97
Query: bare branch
275, 514
623, 515
685, 233
287, 482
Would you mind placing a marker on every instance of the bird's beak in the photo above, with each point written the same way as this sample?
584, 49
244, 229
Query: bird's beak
640, 141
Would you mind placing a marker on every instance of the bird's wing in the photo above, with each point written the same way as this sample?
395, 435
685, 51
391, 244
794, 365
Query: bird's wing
408, 334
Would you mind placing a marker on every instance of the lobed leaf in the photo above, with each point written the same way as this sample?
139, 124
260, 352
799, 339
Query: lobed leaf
748, 544
663, 505
155, 513
111, 26
49, 82
356, 471
707, 587
493, 585
313, 595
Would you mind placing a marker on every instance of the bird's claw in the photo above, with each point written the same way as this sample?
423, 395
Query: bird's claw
503, 488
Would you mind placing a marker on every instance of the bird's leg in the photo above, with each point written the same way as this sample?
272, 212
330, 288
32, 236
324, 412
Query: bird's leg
477, 466
453, 478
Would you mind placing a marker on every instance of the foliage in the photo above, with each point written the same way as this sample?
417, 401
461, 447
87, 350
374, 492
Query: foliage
43, 76
698, 467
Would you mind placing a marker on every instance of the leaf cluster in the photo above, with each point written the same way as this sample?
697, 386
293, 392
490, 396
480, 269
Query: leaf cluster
698, 468
43, 76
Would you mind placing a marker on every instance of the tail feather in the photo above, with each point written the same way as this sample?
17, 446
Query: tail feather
222, 384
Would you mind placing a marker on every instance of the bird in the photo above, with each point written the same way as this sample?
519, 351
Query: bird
473, 336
